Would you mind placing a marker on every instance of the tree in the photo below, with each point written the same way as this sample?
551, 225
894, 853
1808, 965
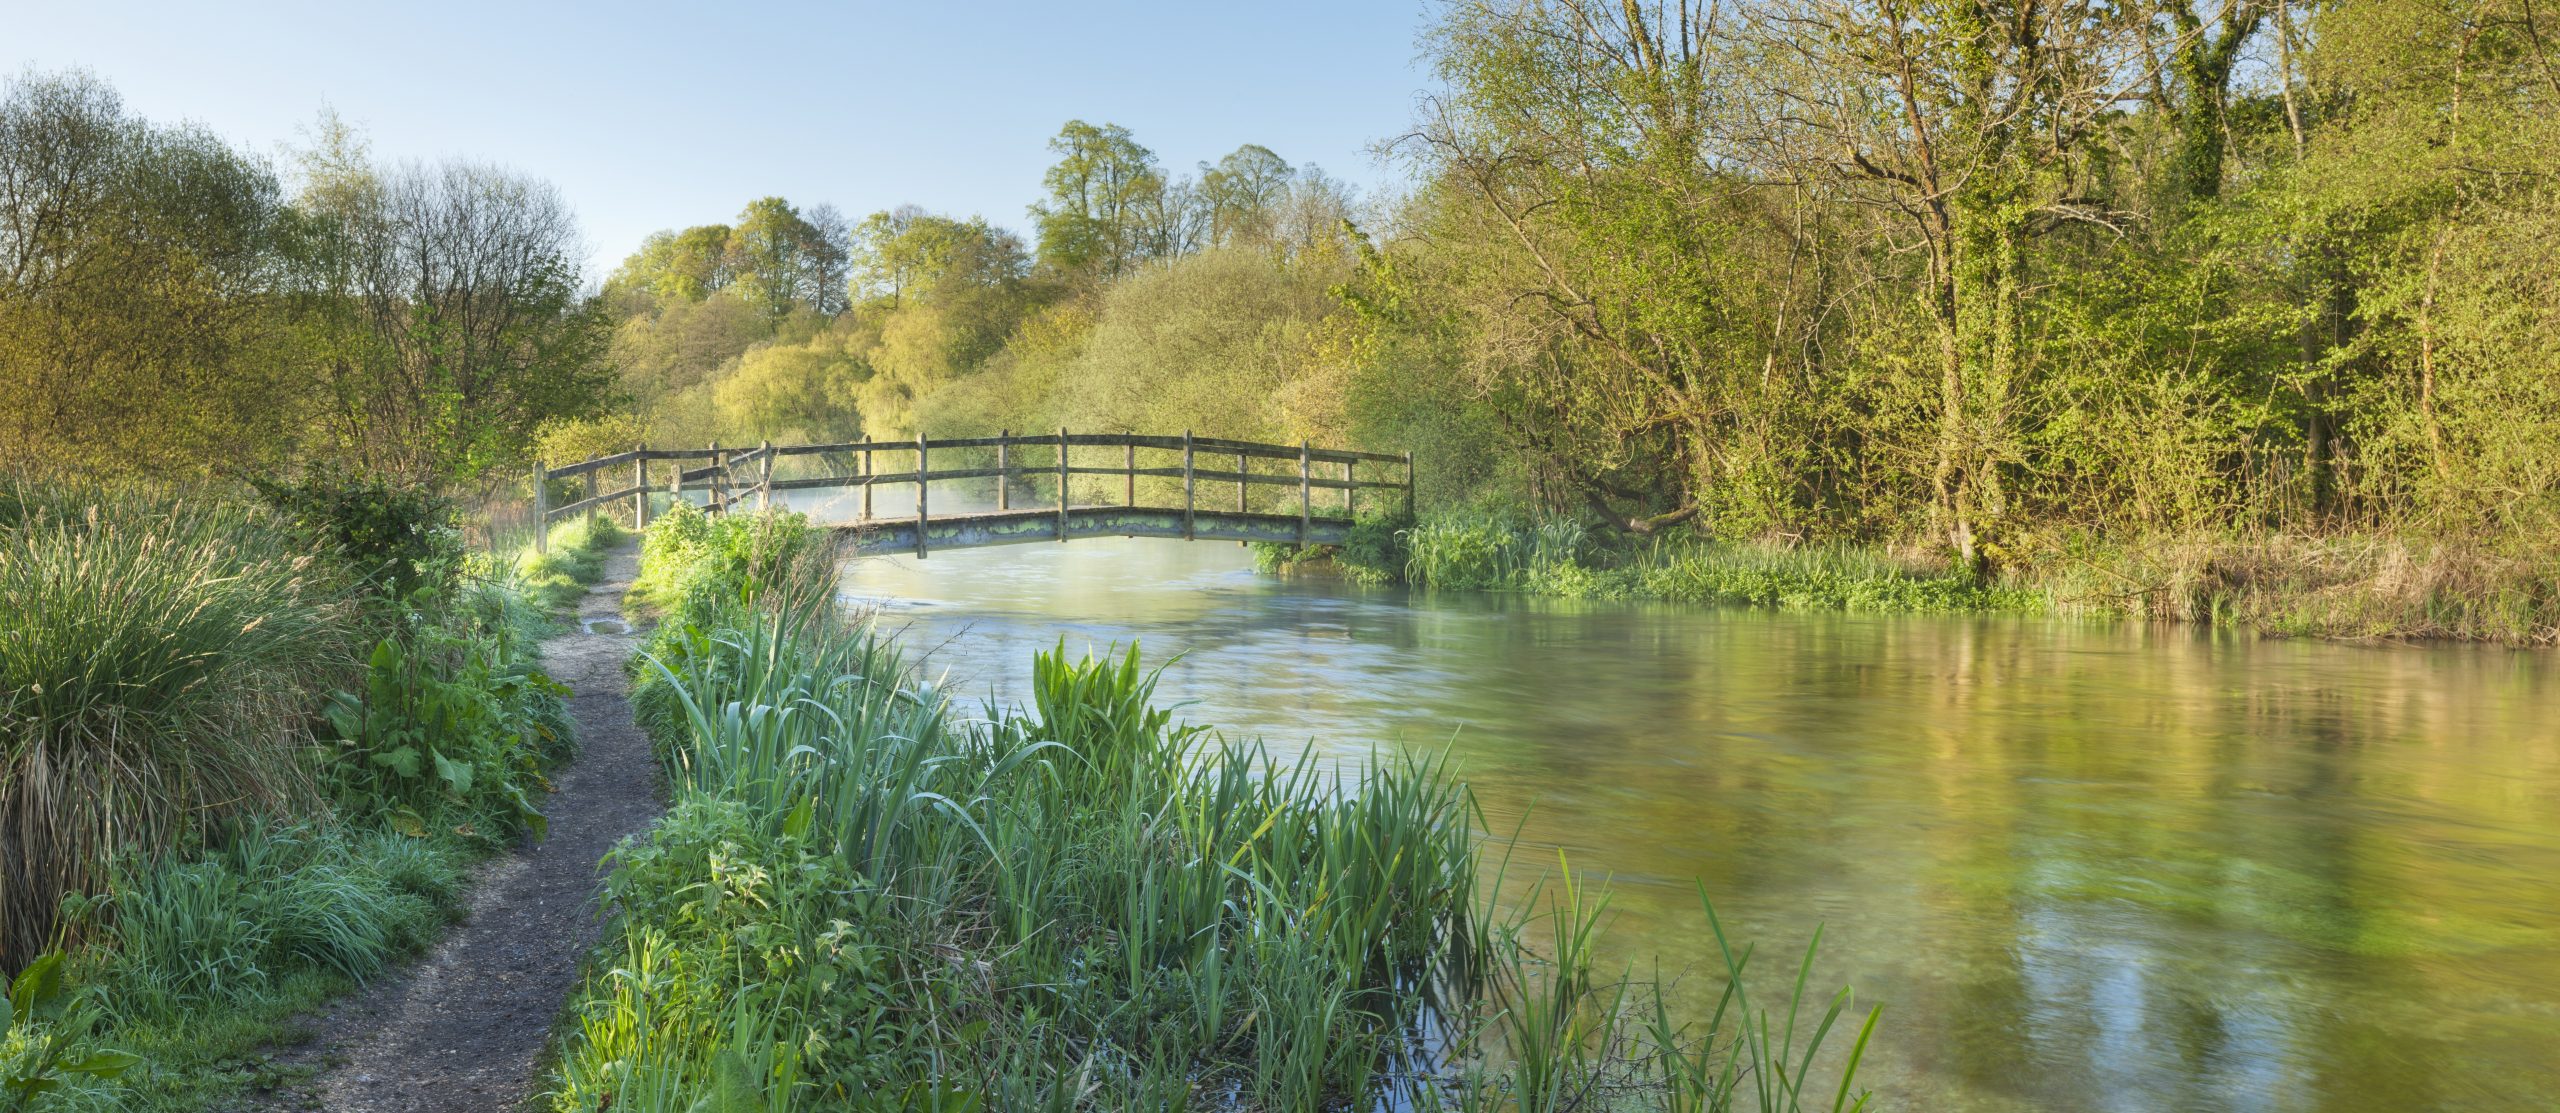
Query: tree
1243, 195
1103, 192
137, 265
444, 316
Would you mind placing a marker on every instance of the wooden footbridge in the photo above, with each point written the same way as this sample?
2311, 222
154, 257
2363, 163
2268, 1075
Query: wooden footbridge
1073, 495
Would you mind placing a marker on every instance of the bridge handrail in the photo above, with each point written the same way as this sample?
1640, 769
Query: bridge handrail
722, 472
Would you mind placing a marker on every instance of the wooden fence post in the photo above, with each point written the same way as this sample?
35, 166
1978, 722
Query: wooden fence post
1062, 483
1186, 485
764, 478
920, 496
1129, 464
1004, 469
590, 499
1350, 494
541, 508
870, 479
1408, 484
1306, 493
1241, 485
640, 488
675, 485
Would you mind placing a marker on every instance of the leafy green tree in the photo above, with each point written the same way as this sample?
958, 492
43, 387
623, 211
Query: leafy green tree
1105, 192
138, 268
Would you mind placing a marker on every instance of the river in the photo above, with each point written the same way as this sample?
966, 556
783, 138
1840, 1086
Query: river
2082, 865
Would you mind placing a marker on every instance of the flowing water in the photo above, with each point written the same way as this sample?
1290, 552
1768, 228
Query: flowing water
2081, 865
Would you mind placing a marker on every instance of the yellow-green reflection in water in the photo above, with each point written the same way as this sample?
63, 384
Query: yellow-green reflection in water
2083, 866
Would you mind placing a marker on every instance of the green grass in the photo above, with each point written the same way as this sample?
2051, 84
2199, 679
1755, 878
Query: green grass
555, 580
864, 898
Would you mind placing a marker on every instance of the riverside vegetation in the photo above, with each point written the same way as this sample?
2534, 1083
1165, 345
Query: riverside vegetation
252, 746
865, 898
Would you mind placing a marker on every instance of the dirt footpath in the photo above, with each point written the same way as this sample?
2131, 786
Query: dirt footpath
460, 1028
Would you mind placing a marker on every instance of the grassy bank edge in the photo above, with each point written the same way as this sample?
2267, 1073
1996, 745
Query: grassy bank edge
2348, 587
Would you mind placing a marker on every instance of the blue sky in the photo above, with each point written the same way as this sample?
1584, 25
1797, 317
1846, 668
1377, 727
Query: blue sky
653, 115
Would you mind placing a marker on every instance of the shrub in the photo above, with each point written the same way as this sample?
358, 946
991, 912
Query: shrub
397, 536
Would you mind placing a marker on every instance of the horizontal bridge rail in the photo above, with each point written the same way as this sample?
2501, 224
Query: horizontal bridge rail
727, 477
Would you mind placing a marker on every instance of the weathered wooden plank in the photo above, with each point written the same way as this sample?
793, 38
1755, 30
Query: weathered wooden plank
964, 531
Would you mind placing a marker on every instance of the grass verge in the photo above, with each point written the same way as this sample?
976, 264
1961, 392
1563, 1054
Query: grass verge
247, 767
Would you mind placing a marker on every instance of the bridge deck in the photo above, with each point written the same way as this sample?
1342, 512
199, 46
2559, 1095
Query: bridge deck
732, 478
1013, 527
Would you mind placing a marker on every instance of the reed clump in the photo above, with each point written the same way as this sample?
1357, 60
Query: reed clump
2352, 586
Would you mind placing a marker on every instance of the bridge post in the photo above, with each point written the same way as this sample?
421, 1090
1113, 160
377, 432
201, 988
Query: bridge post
869, 478
1408, 484
1004, 469
541, 508
1306, 493
920, 496
1062, 484
640, 485
711, 501
1350, 494
1129, 464
764, 478
1186, 485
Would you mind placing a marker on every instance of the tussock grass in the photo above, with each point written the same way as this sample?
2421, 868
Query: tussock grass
192, 702
160, 655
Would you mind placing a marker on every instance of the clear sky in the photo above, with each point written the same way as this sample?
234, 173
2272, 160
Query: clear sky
651, 115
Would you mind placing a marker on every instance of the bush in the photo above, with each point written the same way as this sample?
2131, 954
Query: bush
696, 567
397, 536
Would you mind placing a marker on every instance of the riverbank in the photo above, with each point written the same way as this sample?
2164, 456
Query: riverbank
1077, 902
256, 750
2356, 587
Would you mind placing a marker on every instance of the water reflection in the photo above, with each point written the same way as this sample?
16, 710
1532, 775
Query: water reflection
2083, 866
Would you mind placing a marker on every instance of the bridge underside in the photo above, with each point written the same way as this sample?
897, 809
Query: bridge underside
1013, 527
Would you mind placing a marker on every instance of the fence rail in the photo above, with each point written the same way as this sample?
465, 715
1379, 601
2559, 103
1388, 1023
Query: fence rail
729, 477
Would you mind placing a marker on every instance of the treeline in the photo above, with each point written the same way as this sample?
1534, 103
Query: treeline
1143, 299
1985, 275
169, 307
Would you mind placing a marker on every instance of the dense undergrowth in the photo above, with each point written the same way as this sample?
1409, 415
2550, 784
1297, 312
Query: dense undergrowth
865, 899
1478, 549
252, 746
2353, 587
